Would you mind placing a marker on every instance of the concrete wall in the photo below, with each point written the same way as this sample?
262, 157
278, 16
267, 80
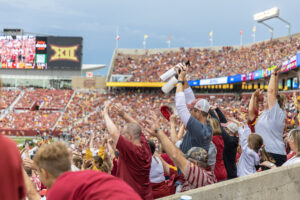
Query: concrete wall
88, 83
280, 183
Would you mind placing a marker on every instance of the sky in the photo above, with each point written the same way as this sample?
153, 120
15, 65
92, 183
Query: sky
188, 22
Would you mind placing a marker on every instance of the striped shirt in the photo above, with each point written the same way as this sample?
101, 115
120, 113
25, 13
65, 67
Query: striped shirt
196, 177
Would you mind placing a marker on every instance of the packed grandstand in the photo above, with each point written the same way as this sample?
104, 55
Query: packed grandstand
29, 109
50, 113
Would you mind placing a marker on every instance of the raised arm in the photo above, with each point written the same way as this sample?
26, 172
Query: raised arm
173, 133
221, 116
273, 87
188, 92
181, 131
32, 194
173, 152
111, 127
166, 166
180, 100
123, 114
253, 104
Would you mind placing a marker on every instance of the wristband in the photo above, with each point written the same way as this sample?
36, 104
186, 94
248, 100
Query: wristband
182, 82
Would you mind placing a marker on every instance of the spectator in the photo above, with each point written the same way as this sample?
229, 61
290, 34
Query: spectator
193, 165
11, 173
53, 165
199, 131
219, 170
134, 161
294, 141
157, 178
270, 124
252, 146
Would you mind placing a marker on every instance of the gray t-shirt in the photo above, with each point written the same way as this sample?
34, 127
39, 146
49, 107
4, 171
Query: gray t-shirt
197, 135
270, 126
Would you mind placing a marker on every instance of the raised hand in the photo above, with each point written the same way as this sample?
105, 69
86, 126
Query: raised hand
173, 118
106, 106
119, 108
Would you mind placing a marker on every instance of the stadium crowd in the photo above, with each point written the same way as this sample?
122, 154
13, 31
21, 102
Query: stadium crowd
206, 63
17, 52
131, 145
47, 99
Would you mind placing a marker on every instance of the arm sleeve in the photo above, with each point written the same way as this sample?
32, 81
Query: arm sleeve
222, 118
224, 134
189, 95
244, 132
213, 114
181, 107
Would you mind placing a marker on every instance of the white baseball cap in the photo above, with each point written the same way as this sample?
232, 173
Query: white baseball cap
232, 127
202, 105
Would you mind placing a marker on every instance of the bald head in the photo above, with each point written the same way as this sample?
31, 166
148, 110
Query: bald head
133, 129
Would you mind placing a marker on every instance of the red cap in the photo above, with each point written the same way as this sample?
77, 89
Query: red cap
166, 111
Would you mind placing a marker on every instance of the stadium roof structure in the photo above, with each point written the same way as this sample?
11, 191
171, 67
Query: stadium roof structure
92, 67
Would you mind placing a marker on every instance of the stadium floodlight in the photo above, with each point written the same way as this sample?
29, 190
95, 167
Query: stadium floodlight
261, 17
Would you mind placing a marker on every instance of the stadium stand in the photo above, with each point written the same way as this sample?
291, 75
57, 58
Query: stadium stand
205, 62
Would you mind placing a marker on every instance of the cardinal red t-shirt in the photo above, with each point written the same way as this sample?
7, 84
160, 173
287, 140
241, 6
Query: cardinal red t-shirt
11, 173
134, 165
90, 185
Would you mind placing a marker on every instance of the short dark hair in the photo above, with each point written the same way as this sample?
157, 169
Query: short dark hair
152, 146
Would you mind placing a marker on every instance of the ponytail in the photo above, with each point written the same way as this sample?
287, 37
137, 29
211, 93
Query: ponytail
265, 156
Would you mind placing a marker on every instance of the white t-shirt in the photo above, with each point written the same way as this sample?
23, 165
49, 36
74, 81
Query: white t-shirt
292, 160
249, 158
270, 126
156, 171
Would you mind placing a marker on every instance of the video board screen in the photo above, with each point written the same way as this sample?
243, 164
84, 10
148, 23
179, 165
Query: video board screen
38, 52
17, 52
64, 53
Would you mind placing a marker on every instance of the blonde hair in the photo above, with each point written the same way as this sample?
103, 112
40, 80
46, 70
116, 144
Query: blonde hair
54, 158
295, 136
215, 125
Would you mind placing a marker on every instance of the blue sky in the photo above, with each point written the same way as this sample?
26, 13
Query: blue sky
188, 22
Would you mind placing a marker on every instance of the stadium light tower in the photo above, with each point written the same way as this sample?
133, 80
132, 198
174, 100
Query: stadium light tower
270, 14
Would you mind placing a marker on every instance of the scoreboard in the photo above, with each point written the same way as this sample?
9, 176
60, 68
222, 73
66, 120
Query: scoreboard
43, 53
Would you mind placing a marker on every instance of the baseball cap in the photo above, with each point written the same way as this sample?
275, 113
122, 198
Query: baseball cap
197, 153
232, 127
200, 104
166, 112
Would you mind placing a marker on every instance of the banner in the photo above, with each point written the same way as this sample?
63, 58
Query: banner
234, 79
258, 74
135, 84
298, 59
194, 83
212, 81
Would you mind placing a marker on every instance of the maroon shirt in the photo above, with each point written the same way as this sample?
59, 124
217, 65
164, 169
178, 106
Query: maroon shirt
134, 165
90, 185
11, 173
220, 170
